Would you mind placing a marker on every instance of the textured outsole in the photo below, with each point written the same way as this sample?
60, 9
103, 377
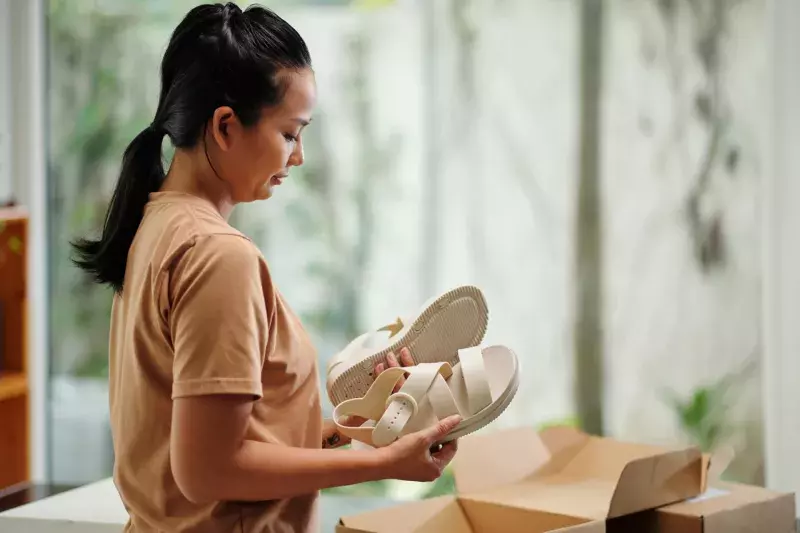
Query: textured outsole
436, 336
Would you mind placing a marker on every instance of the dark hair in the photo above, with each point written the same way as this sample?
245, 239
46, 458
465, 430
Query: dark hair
217, 56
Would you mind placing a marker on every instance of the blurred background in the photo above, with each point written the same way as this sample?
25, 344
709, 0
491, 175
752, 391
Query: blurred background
595, 167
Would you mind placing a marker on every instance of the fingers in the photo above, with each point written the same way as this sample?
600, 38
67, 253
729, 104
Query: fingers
452, 444
391, 360
405, 357
353, 421
439, 430
443, 457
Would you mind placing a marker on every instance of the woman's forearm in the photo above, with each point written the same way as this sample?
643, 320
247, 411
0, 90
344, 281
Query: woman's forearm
261, 471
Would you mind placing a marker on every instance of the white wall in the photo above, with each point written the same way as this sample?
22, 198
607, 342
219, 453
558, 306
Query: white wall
782, 257
669, 325
5, 100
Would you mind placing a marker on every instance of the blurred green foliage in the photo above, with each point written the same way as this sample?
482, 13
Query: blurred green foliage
706, 415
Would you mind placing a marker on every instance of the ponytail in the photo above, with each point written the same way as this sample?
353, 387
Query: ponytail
218, 56
142, 173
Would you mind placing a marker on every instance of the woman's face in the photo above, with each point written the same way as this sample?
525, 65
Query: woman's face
253, 160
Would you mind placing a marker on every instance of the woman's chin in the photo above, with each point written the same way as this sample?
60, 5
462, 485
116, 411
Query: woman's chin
263, 192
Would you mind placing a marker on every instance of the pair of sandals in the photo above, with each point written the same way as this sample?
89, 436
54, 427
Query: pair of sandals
453, 374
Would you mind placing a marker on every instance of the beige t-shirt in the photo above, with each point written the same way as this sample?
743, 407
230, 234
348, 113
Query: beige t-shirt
199, 314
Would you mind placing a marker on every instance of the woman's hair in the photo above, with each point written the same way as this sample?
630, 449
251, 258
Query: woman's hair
217, 56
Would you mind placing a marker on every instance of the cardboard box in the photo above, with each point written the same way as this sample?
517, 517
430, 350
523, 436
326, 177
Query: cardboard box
730, 508
722, 508
559, 480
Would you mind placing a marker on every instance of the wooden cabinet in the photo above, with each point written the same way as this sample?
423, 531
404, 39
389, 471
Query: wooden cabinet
14, 379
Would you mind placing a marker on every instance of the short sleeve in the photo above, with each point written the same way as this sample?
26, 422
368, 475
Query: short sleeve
218, 318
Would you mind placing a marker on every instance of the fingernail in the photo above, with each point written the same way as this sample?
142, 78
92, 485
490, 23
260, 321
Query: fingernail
391, 357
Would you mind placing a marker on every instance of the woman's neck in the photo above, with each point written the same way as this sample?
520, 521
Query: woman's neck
190, 173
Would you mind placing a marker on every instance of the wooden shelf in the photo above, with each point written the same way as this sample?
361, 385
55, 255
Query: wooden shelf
15, 213
13, 385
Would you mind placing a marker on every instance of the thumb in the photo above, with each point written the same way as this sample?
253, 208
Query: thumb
440, 429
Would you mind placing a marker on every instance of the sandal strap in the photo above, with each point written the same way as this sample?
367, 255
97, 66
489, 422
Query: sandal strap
473, 370
371, 406
441, 399
403, 405
425, 393
392, 411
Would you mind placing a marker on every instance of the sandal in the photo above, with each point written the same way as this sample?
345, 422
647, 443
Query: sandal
457, 319
478, 388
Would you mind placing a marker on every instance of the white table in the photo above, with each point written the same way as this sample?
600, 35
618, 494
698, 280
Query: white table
97, 508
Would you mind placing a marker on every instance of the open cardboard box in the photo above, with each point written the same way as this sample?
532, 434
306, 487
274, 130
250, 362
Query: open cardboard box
722, 508
560, 480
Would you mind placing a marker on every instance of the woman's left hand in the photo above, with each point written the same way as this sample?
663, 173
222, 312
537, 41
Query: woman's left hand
331, 438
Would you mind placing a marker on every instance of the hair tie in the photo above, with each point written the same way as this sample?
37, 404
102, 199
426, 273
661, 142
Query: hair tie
229, 11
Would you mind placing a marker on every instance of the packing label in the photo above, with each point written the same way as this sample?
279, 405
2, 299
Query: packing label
709, 495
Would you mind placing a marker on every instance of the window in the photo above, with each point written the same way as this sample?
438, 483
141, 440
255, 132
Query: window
597, 176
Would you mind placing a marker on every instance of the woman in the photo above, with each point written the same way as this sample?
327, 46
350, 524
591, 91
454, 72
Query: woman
215, 402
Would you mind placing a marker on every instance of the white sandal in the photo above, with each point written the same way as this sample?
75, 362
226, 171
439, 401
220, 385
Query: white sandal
478, 388
457, 319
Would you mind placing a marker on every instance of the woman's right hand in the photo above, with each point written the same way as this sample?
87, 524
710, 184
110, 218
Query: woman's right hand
410, 457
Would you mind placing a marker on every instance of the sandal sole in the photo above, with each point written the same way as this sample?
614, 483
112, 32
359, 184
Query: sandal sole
456, 320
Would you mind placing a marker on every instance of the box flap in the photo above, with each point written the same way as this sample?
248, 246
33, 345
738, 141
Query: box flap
650, 482
716, 464
450, 519
556, 438
341, 528
496, 459
488, 517
588, 527
571, 473
400, 518
462, 515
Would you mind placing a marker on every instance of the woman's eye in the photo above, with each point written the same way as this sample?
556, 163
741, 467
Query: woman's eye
290, 138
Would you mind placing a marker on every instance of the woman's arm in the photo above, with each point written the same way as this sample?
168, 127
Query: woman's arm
212, 461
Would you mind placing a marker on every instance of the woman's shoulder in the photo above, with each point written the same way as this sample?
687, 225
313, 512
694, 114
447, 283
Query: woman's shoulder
224, 263
227, 249
188, 242
184, 230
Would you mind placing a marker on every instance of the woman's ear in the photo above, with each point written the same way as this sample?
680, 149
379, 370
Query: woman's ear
224, 127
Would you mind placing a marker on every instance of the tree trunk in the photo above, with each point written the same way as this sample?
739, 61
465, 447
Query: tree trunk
588, 268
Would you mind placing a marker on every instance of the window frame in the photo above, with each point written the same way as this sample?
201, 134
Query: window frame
25, 86
781, 252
